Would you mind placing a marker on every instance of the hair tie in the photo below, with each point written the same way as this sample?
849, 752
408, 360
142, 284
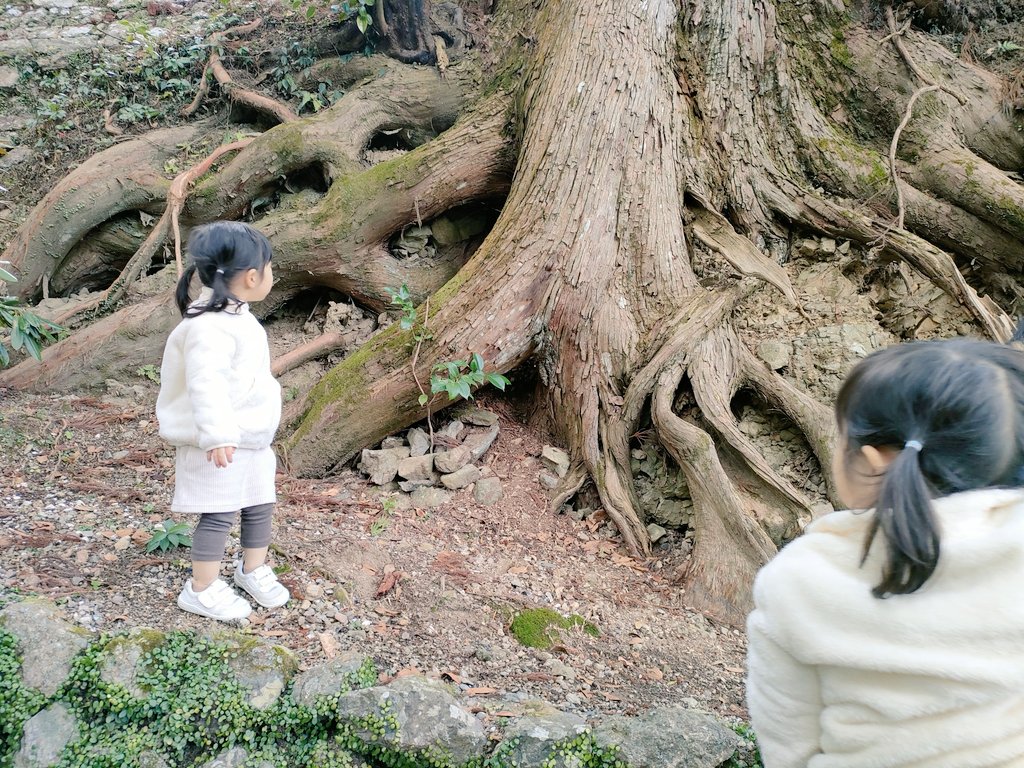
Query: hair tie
220, 271
913, 445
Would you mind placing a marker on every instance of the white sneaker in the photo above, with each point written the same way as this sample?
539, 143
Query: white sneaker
217, 601
263, 585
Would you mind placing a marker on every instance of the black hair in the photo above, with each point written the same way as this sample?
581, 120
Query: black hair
962, 401
220, 251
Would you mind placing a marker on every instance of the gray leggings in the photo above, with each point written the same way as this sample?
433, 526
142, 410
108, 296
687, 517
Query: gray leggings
211, 533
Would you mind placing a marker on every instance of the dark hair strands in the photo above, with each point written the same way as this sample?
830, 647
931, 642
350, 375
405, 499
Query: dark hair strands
219, 251
963, 401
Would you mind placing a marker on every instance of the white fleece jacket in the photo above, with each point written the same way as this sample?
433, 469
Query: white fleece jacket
935, 679
216, 388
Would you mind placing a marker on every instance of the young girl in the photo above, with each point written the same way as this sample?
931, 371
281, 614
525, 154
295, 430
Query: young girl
220, 406
893, 634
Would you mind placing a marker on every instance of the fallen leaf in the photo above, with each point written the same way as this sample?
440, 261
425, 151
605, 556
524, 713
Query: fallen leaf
110, 557
611, 696
388, 583
406, 672
544, 676
654, 674
273, 633
519, 569
505, 713
481, 691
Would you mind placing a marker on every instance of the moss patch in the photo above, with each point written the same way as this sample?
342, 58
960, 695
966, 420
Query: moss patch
539, 627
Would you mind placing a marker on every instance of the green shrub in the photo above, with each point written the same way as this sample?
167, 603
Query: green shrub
17, 703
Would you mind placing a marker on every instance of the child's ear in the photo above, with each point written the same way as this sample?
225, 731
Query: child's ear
252, 278
878, 459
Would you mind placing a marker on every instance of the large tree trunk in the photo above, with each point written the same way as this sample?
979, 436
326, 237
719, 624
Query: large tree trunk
648, 157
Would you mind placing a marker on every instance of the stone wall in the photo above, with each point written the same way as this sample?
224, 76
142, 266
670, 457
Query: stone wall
227, 700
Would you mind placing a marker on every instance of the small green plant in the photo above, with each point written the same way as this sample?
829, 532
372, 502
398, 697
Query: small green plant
408, 319
23, 329
150, 372
383, 520
748, 755
168, 535
458, 378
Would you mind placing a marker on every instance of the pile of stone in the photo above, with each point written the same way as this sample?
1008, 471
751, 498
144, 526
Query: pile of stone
430, 471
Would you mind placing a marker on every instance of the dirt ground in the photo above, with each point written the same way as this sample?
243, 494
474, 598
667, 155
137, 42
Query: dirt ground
86, 479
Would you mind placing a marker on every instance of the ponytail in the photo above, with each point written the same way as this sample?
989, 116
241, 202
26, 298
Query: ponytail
904, 515
181, 296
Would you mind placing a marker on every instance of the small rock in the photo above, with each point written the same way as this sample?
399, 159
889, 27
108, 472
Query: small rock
776, 354
461, 478
419, 441
428, 498
555, 459
123, 543
479, 443
313, 590
478, 417
46, 642
326, 679
17, 156
656, 532
8, 78
548, 480
828, 245
392, 442
844, 247
454, 430
233, 758
417, 467
488, 491
45, 736
411, 485
453, 460
668, 737
382, 466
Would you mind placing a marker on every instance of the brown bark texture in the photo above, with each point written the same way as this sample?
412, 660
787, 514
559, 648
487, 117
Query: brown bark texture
629, 142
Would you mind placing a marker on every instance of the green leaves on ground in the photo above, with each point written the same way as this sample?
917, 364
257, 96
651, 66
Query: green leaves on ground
168, 535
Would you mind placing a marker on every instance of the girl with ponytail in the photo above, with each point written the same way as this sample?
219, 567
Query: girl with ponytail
219, 405
892, 634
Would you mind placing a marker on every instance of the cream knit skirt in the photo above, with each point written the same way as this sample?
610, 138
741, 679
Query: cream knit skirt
200, 486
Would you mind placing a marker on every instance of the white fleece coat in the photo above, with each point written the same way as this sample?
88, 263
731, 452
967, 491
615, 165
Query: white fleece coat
935, 679
216, 389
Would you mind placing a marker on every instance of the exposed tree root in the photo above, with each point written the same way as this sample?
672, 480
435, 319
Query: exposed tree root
236, 93
125, 177
321, 346
165, 227
715, 375
729, 548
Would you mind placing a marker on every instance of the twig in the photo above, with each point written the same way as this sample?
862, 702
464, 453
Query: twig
416, 378
907, 114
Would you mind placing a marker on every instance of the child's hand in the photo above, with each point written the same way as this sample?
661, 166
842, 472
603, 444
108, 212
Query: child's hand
221, 457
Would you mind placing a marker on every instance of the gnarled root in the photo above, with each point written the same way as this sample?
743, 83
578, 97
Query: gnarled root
729, 547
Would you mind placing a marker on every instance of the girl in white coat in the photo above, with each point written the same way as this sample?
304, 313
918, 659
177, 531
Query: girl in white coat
220, 406
892, 635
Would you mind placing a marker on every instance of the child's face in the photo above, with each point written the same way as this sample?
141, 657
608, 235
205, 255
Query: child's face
859, 473
253, 284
